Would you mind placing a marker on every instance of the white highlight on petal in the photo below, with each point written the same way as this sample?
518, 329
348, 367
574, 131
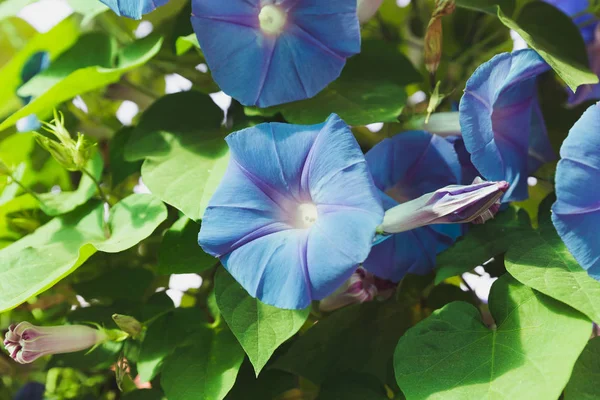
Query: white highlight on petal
272, 19
306, 215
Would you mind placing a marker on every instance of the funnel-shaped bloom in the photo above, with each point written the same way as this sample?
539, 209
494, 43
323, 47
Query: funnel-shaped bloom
26, 343
360, 288
134, 8
501, 122
295, 213
404, 168
269, 52
576, 213
367, 9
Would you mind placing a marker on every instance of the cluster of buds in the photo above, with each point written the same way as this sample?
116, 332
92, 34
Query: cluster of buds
70, 153
455, 204
360, 288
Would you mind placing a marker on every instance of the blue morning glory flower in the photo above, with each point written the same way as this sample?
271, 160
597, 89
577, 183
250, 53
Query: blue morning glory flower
134, 8
295, 213
501, 122
269, 52
576, 213
404, 168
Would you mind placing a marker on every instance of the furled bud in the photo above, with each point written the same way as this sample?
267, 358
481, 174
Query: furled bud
25, 342
367, 8
361, 287
71, 154
128, 324
454, 204
434, 35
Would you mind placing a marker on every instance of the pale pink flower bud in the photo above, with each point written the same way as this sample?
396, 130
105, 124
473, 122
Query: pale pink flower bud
26, 343
455, 204
359, 288
367, 9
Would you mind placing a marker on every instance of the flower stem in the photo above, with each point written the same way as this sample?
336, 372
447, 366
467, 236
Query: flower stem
97, 183
26, 189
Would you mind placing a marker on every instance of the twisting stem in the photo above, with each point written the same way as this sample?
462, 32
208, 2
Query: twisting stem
26, 189
106, 203
97, 183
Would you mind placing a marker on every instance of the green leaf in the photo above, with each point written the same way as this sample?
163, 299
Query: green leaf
179, 251
163, 336
120, 168
542, 261
185, 43
585, 380
117, 283
84, 80
563, 49
359, 338
39, 168
529, 354
205, 371
259, 328
77, 57
55, 41
185, 155
482, 243
14, 35
487, 6
38, 261
54, 204
370, 89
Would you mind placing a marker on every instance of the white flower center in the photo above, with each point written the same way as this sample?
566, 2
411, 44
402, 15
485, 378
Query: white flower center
272, 19
306, 215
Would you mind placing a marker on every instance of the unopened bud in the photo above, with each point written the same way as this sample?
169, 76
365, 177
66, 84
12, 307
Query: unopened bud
26, 343
434, 35
453, 204
128, 324
72, 154
360, 288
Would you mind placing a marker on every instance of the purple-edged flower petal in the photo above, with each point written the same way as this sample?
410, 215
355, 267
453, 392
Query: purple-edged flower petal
295, 213
271, 52
576, 213
404, 168
134, 8
496, 118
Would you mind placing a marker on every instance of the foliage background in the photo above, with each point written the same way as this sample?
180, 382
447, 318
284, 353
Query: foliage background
439, 336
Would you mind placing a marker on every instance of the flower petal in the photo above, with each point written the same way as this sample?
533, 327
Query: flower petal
496, 117
337, 244
576, 213
273, 269
264, 70
134, 8
408, 166
413, 163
